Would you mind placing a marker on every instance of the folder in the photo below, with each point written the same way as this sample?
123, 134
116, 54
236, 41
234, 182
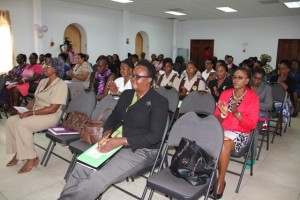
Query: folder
62, 131
94, 159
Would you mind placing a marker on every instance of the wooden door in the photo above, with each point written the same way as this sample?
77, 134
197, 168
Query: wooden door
196, 50
138, 44
288, 49
74, 35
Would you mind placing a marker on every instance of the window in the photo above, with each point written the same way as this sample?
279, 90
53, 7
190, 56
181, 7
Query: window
6, 49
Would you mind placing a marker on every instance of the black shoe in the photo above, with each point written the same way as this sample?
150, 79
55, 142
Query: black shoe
219, 196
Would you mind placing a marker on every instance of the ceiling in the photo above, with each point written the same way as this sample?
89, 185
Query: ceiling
198, 9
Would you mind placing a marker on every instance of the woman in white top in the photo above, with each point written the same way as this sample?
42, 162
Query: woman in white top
190, 82
122, 83
209, 67
169, 77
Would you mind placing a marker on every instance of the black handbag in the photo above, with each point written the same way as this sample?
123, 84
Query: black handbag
192, 163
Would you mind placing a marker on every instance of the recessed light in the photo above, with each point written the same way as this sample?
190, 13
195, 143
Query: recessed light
175, 13
226, 9
122, 1
295, 4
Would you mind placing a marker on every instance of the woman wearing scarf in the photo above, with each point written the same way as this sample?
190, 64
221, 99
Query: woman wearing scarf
102, 76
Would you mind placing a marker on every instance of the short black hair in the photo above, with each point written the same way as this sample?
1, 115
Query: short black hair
167, 60
223, 64
64, 56
150, 67
286, 62
259, 70
128, 62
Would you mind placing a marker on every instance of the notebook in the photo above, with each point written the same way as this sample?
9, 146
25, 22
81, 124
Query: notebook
94, 159
61, 131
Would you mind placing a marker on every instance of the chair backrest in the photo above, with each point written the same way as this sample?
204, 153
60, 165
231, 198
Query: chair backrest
207, 132
278, 92
83, 102
172, 95
198, 102
3, 78
108, 102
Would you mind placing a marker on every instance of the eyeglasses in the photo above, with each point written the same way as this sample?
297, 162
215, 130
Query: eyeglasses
137, 77
238, 77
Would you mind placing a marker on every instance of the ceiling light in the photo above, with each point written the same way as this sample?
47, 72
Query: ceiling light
122, 1
175, 13
295, 4
226, 9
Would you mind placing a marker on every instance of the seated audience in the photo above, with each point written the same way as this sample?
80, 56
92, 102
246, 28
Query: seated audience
217, 86
169, 76
153, 59
159, 64
248, 64
295, 73
15, 73
209, 67
44, 112
289, 85
26, 83
135, 59
140, 118
179, 65
102, 76
264, 93
122, 83
80, 74
237, 110
64, 57
190, 82
264, 60
116, 64
231, 66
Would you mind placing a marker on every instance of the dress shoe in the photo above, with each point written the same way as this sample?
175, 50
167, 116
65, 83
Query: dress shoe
219, 196
13, 161
30, 163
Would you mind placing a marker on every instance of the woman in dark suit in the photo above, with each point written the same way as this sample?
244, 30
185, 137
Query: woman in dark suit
139, 118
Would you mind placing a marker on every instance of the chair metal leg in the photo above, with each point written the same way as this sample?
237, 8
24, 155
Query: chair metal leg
49, 154
46, 152
71, 166
261, 144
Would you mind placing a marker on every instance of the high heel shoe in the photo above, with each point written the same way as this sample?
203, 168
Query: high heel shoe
30, 163
13, 161
219, 196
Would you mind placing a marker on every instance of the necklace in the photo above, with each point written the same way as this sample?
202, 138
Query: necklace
238, 98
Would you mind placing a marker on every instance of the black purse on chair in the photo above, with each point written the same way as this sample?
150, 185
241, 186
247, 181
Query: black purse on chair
191, 163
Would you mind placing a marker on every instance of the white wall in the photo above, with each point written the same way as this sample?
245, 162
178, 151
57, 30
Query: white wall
261, 34
103, 28
22, 27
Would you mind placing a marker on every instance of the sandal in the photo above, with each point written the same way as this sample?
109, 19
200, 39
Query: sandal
13, 161
30, 163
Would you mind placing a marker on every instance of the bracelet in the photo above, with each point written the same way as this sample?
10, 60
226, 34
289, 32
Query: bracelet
223, 116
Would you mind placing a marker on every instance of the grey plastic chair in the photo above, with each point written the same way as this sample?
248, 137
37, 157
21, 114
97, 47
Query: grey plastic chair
78, 147
279, 95
173, 98
200, 102
84, 102
211, 140
246, 153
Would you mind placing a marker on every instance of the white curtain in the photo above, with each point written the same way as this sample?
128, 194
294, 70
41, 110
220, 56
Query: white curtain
6, 46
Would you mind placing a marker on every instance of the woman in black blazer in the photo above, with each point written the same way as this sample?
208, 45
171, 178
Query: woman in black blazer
140, 118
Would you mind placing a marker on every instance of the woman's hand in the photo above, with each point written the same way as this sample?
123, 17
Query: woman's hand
70, 73
112, 87
222, 107
107, 145
25, 114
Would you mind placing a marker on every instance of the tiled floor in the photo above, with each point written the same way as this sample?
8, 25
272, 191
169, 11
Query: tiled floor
276, 174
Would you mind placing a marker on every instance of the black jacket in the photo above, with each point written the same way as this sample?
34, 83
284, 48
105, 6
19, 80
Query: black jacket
143, 122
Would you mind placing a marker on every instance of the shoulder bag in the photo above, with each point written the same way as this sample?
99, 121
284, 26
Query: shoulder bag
192, 163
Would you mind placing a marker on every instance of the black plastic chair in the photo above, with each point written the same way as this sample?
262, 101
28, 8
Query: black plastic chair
85, 103
211, 140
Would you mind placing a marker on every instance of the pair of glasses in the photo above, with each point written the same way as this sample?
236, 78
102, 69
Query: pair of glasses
137, 77
238, 77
